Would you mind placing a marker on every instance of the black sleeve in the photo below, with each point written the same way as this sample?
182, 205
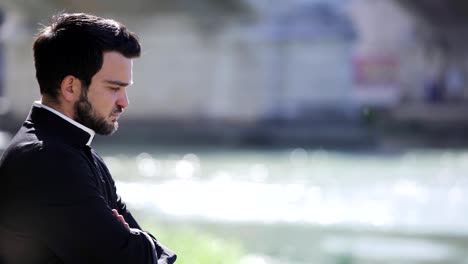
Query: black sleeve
165, 255
65, 210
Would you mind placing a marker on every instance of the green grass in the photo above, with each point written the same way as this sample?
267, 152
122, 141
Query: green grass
197, 247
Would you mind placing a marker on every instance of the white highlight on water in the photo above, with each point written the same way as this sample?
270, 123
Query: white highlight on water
405, 205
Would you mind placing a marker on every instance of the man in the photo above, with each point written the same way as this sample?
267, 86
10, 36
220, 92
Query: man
58, 202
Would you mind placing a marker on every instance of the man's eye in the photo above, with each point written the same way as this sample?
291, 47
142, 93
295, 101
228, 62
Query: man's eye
115, 89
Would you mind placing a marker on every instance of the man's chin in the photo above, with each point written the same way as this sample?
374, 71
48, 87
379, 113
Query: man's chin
116, 126
109, 130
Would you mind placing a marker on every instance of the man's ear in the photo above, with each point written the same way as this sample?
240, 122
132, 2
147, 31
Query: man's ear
70, 88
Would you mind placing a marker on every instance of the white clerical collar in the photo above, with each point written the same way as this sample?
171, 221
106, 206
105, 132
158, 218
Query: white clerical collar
84, 128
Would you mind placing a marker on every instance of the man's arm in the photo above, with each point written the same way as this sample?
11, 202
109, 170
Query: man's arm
165, 255
64, 208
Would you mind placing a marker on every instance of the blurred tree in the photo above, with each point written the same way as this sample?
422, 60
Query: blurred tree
224, 7
207, 14
441, 30
439, 13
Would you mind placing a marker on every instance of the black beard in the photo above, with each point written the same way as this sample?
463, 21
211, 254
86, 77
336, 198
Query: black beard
84, 114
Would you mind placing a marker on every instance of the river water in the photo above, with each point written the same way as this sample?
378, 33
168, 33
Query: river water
297, 206
332, 206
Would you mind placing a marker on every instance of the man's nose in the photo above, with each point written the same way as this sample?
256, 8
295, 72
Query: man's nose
123, 100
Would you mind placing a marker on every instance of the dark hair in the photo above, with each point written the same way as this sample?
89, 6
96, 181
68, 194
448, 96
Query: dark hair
73, 44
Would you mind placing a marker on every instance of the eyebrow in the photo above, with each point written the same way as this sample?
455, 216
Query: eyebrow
119, 83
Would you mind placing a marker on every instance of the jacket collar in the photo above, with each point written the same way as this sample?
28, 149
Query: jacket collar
60, 125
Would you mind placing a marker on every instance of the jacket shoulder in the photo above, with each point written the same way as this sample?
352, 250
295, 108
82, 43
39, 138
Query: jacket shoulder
26, 151
21, 147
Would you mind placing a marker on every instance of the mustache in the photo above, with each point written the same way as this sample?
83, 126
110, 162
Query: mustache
117, 110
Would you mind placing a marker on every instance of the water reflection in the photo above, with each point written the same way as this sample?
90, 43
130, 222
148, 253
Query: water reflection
147, 166
420, 193
259, 172
418, 190
299, 156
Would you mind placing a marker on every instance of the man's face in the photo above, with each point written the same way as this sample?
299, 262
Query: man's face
100, 107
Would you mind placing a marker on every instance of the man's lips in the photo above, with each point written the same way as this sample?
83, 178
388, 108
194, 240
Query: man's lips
115, 116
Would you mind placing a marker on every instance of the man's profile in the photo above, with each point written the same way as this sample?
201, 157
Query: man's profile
58, 201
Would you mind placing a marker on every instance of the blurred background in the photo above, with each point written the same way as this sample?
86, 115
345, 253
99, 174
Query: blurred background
293, 132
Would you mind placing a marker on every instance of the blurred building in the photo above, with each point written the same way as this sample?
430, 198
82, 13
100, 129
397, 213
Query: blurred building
379, 56
306, 47
299, 60
279, 62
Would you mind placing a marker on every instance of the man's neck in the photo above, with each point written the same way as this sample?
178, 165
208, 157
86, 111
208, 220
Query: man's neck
67, 118
58, 106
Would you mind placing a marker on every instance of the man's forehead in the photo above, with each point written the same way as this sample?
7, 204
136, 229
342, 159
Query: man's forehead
116, 69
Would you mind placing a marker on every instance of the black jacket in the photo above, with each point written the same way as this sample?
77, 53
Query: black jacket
56, 197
